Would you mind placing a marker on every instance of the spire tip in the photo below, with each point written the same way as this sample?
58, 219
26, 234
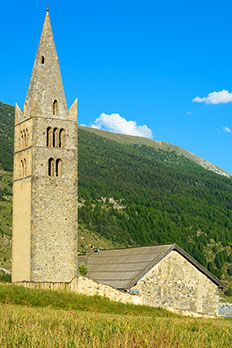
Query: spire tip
47, 7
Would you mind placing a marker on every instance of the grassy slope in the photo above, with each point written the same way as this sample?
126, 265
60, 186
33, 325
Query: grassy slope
82, 321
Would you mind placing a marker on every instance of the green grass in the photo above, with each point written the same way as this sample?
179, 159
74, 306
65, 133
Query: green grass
48, 319
19, 295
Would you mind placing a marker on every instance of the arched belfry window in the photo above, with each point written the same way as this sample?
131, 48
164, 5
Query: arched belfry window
61, 138
27, 138
49, 137
51, 167
55, 137
42, 60
21, 140
24, 138
58, 167
55, 107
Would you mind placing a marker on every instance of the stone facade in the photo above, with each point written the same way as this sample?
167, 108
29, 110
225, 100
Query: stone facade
175, 283
45, 175
86, 286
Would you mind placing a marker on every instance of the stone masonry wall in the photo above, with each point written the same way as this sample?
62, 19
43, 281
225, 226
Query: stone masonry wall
45, 207
174, 282
86, 286
21, 239
54, 204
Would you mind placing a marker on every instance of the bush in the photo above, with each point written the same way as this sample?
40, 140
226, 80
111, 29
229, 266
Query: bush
4, 277
82, 269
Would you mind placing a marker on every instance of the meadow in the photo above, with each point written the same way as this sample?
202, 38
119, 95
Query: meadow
46, 318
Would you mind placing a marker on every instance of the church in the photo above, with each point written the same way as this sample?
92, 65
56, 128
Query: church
45, 200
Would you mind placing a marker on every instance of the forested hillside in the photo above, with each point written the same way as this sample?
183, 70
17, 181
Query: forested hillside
136, 194
164, 197
6, 136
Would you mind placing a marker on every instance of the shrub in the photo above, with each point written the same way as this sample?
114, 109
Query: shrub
82, 269
4, 277
228, 292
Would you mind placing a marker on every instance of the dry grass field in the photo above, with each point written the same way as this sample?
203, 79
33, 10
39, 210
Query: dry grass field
22, 326
32, 318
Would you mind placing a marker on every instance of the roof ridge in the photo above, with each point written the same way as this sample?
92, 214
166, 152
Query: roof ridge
158, 254
134, 247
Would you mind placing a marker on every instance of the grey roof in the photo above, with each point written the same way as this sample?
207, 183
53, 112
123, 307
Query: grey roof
122, 268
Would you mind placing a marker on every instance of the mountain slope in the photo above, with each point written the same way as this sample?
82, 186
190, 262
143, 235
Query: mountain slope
164, 196
162, 145
135, 191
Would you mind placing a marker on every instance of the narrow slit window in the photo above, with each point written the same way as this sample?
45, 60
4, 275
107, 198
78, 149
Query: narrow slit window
22, 169
42, 60
58, 167
55, 107
25, 167
27, 138
49, 137
51, 167
61, 138
24, 139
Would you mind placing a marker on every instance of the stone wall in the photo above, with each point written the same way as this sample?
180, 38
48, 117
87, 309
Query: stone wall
45, 207
86, 286
174, 282
21, 239
54, 204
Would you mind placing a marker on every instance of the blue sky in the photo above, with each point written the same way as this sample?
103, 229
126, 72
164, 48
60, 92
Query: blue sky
133, 61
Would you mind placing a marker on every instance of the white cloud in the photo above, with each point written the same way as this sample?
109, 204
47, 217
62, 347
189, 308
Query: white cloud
221, 97
118, 124
227, 129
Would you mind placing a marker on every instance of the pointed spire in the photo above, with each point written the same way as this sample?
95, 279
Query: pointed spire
46, 87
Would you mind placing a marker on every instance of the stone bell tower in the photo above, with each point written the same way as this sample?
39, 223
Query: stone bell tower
44, 246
